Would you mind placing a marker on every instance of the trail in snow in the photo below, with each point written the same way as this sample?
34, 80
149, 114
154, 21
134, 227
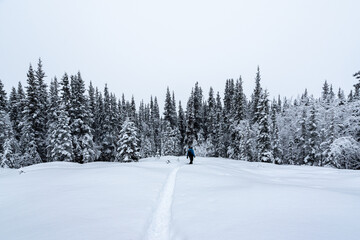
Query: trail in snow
160, 226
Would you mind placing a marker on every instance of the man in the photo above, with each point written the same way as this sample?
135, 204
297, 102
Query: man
190, 154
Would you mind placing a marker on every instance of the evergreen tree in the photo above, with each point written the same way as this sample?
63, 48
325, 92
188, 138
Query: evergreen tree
128, 150
30, 126
275, 141
190, 121
108, 141
263, 139
256, 97
239, 101
60, 140
312, 156
14, 113
302, 139
83, 145
66, 92
170, 110
325, 95
3, 98
197, 105
170, 140
182, 128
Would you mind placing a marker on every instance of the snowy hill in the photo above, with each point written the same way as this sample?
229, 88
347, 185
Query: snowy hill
213, 199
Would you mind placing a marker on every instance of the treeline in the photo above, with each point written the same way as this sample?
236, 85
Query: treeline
66, 122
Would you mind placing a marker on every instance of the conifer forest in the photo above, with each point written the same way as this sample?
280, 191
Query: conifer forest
68, 121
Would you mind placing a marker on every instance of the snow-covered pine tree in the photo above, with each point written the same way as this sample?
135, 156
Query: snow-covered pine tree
28, 145
42, 115
169, 110
239, 103
83, 145
3, 110
66, 92
173, 105
3, 98
325, 94
14, 113
60, 146
229, 97
170, 140
10, 155
275, 141
198, 111
357, 86
127, 150
53, 114
99, 117
219, 147
155, 124
313, 141
182, 128
30, 137
264, 136
302, 138
190, 121
256, 97
210, 122
108, 141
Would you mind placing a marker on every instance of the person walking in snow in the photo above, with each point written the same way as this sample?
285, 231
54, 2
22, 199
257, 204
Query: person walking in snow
190, 154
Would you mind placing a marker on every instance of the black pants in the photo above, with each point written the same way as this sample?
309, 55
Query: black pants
191, 159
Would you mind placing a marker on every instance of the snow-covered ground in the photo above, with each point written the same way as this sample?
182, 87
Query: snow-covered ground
212, 199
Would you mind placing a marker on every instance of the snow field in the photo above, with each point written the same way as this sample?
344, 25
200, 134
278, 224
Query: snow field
212, 199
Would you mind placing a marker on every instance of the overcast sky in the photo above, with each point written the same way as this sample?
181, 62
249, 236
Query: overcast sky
140, 47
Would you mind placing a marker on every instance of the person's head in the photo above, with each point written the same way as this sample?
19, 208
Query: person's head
190, 146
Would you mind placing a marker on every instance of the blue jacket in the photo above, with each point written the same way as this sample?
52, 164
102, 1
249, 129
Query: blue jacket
190, 153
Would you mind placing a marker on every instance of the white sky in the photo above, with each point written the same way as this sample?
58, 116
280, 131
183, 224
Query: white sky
140, 47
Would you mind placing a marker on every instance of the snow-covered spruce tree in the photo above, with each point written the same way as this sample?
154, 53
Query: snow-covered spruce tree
98, 118
182, 128
14, 113
53, 114
83, 145
247, 143
60, 140
10, 156
218, 146
229, 97
30, 124
210, 122
108, 141
170, 140
3, 98
127, 150
190, 121
239, 104
264, 136
169, 110
3, 110
155, 125
42, 115
256, 97
275, 141
21, 104
313, 141
357, 86
198, 111
28, 145
302, 138
3, 130
66, 92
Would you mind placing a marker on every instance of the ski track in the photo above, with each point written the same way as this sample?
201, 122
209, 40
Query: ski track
160, 225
